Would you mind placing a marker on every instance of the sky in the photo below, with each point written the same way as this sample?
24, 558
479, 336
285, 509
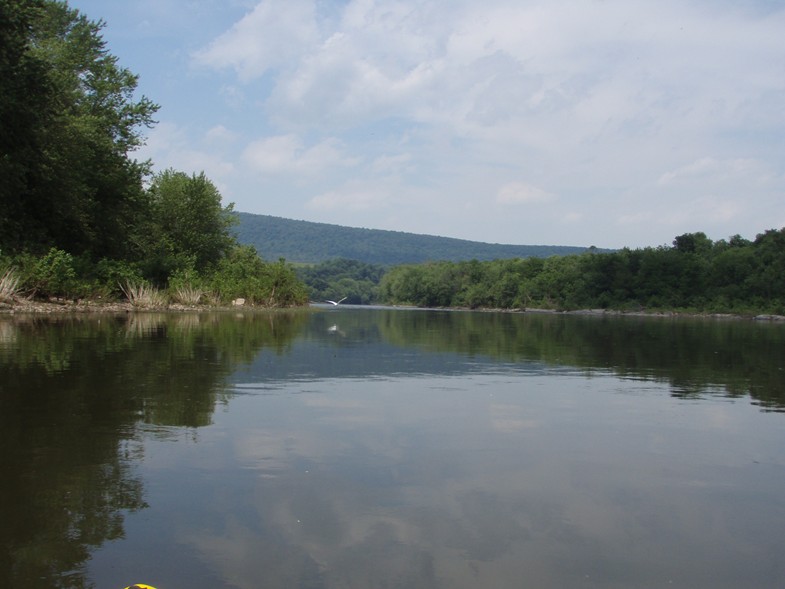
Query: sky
610, 123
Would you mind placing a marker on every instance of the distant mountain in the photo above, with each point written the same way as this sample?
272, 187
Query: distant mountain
304, 241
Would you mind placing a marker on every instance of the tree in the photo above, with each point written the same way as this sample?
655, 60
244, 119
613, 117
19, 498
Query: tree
25, 107
188, 226
69, 122
692, 243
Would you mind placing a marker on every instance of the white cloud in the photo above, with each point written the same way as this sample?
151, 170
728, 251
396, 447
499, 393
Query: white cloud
287, 154
354, 196
700, 167
171, 146
722, 175
521, 193
631, 108
270, 36
392, 164
221, 135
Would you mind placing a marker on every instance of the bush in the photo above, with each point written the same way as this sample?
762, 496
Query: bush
243, 274
54, 275
111, 274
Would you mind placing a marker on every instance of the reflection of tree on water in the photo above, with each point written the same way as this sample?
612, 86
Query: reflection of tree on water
695, 356
73, 392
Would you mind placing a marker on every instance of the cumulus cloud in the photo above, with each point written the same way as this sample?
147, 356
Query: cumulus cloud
288, 154
348, 199
521, 193
392, 164
490, 62
700, 167
171, 146
271, 36
612, 105
354, 196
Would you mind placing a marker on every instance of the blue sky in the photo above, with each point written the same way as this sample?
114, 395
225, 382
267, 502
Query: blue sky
571, 122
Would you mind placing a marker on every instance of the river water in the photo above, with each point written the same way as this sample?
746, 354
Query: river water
378, 448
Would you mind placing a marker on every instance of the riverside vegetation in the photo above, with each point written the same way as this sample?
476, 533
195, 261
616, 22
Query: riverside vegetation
694, 275
80, 218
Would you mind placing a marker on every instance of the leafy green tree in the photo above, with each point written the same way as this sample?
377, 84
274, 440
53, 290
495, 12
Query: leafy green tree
189, 227
25, 108
693, 243
68, 122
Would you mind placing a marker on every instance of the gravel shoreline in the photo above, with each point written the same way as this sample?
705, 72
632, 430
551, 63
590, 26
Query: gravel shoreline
27, 306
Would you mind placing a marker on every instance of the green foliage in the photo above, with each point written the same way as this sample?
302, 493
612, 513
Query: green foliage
68, 121
74, 214
695, 274
244, 275
111, 274
53, 275
188, 228
336, 279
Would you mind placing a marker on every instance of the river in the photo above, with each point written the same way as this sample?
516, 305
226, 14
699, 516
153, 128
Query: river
376, 448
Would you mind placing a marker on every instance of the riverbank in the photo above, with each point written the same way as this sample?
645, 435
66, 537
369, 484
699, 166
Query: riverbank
611, 312
614, 313
28, 306
54, 307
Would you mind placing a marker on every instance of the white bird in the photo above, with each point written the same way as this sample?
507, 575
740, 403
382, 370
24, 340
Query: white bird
337, 302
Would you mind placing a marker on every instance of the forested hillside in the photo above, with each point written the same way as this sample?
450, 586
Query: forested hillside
304, 241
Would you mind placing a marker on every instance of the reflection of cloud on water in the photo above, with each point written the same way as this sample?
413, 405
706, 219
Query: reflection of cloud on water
370, 491
373, 484
510, 418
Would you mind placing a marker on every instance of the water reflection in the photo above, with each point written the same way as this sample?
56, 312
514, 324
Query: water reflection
376, 447
73, 393
372, 484
695, 357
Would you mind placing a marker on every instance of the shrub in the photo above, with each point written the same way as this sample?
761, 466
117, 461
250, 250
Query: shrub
243, 274
111, 274
54, 275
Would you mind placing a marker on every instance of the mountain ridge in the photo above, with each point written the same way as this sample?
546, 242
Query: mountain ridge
311, 242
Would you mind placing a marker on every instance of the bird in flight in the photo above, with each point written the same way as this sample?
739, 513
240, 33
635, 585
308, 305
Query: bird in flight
337, 302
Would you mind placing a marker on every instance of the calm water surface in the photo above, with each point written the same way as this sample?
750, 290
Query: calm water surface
378, 448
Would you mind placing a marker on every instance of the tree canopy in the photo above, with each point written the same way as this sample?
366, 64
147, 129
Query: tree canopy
69, 122
188, 227
735, 276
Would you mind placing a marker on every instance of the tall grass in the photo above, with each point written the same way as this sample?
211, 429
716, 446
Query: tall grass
188, 295
141, 294
9, 285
